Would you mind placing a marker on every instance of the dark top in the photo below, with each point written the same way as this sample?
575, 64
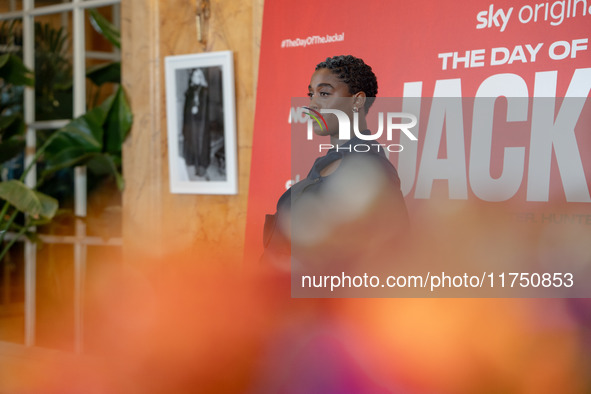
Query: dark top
388, 216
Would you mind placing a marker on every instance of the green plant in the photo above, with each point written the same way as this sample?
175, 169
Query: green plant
53, 72
19, 199
108, 72
94, 139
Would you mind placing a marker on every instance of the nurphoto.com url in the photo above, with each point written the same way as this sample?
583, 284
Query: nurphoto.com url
434, 282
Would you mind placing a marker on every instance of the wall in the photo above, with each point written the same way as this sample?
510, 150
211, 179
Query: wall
157, 223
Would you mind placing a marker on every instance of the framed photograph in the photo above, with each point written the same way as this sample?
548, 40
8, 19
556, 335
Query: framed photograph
201, 120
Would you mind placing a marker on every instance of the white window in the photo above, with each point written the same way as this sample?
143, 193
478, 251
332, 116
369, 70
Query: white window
25, 301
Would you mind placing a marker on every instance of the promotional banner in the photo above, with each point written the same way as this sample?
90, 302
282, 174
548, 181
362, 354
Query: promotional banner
500, 92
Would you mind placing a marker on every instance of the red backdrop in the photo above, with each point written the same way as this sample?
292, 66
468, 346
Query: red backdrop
409, 42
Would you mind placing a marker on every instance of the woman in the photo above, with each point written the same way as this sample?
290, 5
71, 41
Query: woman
196, 133
349, 209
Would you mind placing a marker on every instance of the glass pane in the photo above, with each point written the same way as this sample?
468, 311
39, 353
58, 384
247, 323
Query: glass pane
11, 167
11, 5
104, 215
11, 42
53, 67
102, 29
103, 287
11, 99
55, 296
11, 36
102, 55
56, 292
104, 206
12, 295
54, 100
100, 82
103, 77
59, 185
43, 3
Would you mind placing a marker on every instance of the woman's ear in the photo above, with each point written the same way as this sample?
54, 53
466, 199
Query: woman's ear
359, 100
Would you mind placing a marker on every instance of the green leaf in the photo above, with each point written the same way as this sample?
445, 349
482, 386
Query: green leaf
11, 125
33, 236
49, 205
106, 164
109, 122
27, 200
105, 28
104, 73
11, 148
85, 131
4, 59
99, 114
118, 123
13, 71
69, 157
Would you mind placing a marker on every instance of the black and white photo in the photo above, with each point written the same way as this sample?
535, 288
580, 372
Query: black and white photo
201, 123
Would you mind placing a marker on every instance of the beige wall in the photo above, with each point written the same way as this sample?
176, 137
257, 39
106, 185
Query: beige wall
156, 222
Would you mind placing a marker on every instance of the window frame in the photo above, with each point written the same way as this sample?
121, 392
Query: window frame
80, 240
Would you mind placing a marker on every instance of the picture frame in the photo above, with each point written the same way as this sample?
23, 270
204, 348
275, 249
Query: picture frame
201, 123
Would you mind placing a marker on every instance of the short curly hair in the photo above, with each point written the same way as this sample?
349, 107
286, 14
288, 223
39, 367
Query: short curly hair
355, 73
